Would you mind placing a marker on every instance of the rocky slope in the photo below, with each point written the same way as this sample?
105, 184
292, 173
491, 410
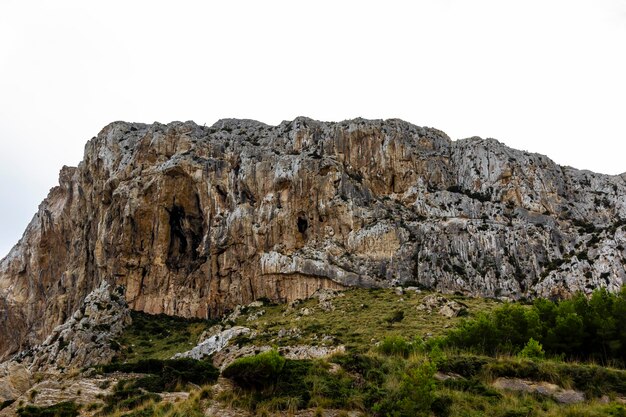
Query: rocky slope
85, 339
195, 220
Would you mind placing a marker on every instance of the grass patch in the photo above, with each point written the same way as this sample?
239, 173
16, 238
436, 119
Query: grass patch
158, 336
259, 372
361, 318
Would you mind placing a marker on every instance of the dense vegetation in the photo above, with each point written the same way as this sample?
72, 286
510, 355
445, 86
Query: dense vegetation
271, 383
64, 409
591, 329
158, 376
400, 360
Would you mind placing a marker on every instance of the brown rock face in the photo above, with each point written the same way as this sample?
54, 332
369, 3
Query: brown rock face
194, 220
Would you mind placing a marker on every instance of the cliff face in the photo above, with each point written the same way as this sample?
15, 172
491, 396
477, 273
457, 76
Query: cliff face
194, 220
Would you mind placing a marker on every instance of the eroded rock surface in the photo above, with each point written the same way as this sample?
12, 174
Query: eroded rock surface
443, 306
194, 220
85, 339
546, 389
214, 343
225, 356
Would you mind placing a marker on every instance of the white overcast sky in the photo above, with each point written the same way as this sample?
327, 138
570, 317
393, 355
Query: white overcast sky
546, 76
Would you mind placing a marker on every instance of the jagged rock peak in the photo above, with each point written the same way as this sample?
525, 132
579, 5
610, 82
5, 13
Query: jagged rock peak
194, 220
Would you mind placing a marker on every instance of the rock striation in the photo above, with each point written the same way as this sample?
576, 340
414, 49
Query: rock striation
194, 220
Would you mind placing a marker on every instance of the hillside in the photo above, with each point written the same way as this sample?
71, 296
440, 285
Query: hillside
193, 220
360, 352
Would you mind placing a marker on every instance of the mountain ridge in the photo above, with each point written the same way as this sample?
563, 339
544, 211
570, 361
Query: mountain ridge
194, 220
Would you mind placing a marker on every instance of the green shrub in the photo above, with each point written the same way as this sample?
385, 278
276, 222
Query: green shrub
63, 409
395, 346
466, 366
616, 410
257, 372
532, 350
579, 328
332, 390
414, 396
441, 405
163, 375
291, 380
167, 374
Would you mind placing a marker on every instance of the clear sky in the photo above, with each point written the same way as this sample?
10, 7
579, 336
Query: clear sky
547, 76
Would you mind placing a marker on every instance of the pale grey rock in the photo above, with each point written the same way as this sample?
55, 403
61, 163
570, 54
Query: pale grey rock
324, 297
214, 343
255, 316
229, 354
441, 376
234, 315
301, 352
443, 306
86, 338
451, 309
54, 390
305, 311
211, 331
15, 379
255, 304
557, 393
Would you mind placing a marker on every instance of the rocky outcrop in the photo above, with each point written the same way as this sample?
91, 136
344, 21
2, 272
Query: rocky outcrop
545, 389
194, 220
227, 355
214, 343
82, 391
85, 339
443, 306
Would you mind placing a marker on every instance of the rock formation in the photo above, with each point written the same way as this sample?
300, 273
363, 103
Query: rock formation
85, 339
195, 220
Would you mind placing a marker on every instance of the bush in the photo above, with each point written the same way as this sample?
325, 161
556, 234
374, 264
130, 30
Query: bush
256, 372
126, 396
167, 374
578, 328
466, 366
441, 405
414, 396
395, 346
532, 350
331, 390
63, 409
616, 410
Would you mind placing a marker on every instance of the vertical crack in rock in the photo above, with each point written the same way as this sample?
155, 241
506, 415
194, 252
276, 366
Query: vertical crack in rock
303, 224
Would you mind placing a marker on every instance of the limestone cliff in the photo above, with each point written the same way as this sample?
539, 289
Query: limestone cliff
194, 220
